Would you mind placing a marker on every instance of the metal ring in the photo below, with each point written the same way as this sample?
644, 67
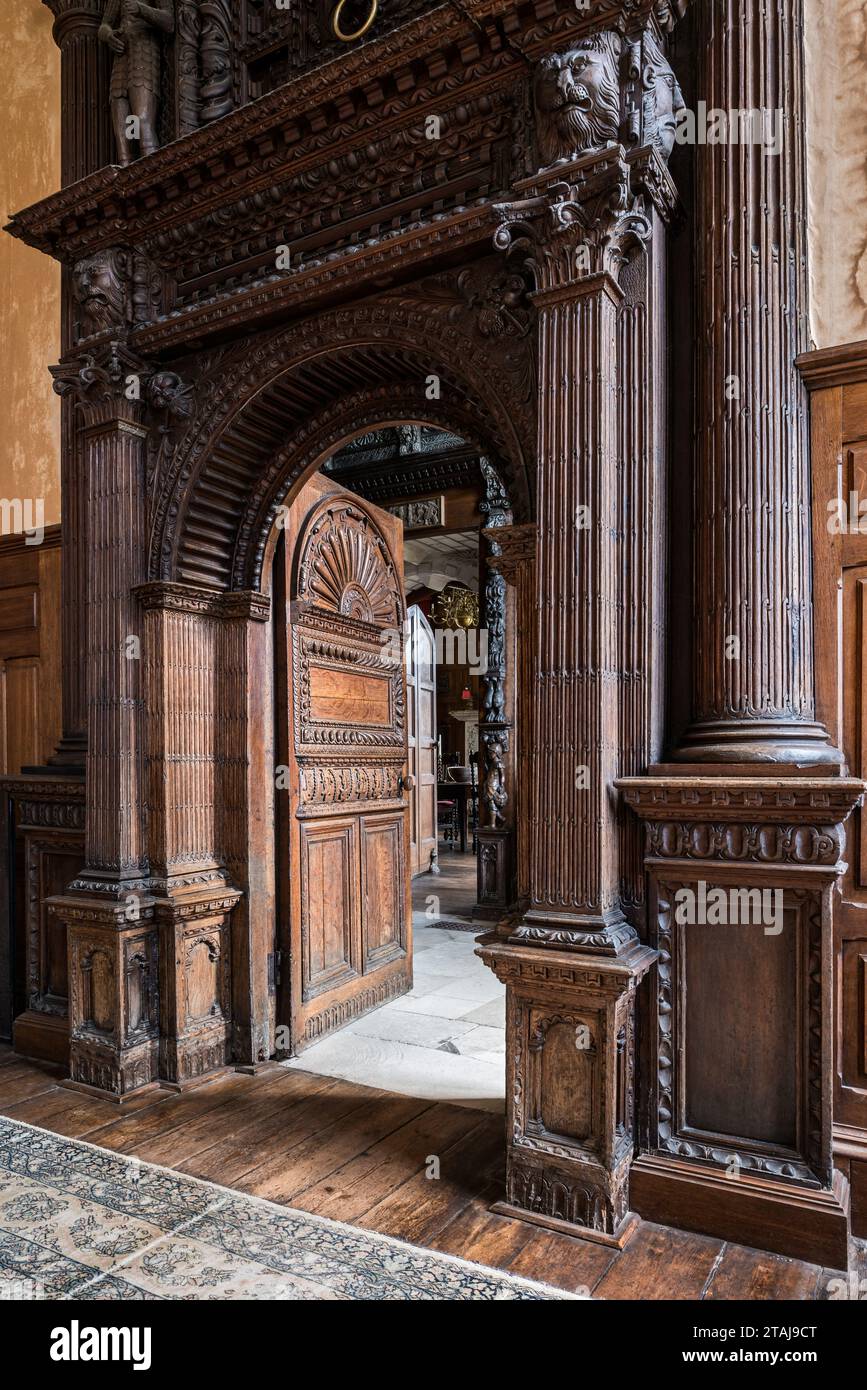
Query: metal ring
348, 38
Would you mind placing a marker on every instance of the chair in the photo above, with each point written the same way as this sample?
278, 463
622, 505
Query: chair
447, 821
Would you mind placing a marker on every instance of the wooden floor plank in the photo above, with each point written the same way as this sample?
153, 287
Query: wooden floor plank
230, 1157
744, 1273
127, 1131
564, 1261
314, 1157
422, 1207
684, 1260
478, 1234
373, 1175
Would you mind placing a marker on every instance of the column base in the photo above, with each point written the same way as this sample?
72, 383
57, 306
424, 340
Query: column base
603, 934
803, 1223
493, 871
758, 741
616, 1241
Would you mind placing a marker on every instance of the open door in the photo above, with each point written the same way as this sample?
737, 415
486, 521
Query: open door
421, 704
345, 927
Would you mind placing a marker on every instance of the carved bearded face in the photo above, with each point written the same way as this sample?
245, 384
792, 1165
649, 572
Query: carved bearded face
99, 288
577, 98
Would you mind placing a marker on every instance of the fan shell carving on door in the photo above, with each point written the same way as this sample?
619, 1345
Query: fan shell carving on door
346, 567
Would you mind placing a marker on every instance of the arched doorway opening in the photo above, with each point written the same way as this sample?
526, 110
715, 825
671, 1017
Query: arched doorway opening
376, 739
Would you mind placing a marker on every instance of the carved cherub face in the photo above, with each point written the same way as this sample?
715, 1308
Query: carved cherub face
167, 392
577, 98
98, 284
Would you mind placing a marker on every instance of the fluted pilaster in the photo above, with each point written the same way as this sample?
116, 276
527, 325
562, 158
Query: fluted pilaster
114, 445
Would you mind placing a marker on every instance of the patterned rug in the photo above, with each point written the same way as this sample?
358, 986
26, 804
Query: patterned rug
79, 1222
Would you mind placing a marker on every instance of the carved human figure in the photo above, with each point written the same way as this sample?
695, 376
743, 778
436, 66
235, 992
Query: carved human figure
495, 782
100, 284
577, 98
132, 29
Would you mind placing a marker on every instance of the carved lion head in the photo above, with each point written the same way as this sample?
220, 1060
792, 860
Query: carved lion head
577, 98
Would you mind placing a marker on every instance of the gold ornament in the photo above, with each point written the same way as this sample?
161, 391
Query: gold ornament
457, 607
348, 38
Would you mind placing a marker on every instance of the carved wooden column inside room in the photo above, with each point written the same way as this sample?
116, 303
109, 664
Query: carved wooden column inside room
85, 146
572, 962
753, 680
745, 837
513, 558
108, 909
495, 862
193, 720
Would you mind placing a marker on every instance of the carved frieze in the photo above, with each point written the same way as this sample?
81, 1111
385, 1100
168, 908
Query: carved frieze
328, 786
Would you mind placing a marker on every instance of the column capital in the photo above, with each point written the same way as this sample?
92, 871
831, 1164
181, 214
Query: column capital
111, 382
74, 16
578, 230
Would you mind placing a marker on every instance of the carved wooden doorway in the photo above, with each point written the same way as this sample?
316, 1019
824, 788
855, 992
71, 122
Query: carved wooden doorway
422, 739
343, 829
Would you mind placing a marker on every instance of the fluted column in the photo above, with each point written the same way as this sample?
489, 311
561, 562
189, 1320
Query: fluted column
85, 73
114, 443
753, 679
86, 144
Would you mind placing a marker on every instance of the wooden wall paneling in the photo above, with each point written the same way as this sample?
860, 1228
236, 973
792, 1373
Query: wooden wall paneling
29, 650
716, 1097
45, 827
837, 380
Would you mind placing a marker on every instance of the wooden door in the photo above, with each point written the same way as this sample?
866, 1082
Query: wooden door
421, 710
343, 813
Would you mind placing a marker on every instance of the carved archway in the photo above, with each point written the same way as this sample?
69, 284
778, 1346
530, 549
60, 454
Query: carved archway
266, 413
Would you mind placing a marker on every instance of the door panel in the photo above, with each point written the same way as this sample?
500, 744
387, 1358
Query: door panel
382, 890
422, 754
343, 818
328, 903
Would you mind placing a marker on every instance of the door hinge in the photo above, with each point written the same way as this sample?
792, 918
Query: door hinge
275, 963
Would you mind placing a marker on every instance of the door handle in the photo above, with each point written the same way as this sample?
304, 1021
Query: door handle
406, 782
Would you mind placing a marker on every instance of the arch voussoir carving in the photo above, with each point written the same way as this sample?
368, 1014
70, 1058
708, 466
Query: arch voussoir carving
438, 364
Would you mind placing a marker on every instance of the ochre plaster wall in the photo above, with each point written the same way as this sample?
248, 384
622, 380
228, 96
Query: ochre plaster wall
29, 281
836, 62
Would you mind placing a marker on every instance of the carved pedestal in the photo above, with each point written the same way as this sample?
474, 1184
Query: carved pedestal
114, 1013
570, 1030
739, 1074
195, 983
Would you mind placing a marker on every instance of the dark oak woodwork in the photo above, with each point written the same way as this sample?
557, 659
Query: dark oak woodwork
463, 223
421, 732
344, 818
837, 382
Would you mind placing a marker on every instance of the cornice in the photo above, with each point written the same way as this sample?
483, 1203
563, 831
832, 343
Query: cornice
811, 800
843, 365
446, 43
